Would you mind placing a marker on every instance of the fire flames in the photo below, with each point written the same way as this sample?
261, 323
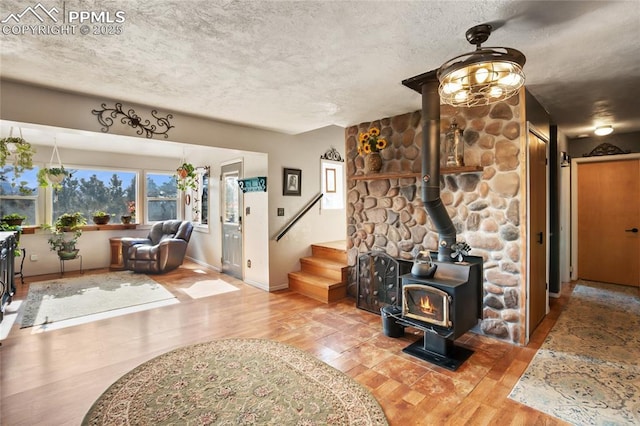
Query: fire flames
426, 306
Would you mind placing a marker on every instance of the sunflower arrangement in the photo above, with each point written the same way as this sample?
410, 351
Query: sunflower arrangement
371, 141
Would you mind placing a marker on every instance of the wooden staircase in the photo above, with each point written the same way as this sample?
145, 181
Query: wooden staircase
324, 274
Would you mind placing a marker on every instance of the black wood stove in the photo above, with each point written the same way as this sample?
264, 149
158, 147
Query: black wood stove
444, 307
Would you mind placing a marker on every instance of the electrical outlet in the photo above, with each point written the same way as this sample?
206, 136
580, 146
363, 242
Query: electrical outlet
249, 263
34, 258
280, 211
247, 210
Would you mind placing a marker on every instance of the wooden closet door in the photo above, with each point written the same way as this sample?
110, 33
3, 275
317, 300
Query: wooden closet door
538, 231
608, 211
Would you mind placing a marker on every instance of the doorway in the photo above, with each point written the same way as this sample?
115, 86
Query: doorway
231, 219
537, 243
606, 221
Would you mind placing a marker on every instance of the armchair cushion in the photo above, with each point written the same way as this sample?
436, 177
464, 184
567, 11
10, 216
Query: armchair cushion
163, 249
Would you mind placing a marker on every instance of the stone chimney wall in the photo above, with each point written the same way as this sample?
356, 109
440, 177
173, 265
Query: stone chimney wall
385, 212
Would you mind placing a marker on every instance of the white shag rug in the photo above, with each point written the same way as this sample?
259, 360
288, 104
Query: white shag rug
65, 298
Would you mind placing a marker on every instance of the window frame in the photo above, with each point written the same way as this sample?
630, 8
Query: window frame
38, 210
49, 192
193, 200
178, 198
44, 204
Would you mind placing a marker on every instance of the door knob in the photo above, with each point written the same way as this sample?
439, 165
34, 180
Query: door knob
634, 230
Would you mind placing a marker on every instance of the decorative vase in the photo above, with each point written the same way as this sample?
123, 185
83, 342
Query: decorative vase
126, 219
372, 162
454, 146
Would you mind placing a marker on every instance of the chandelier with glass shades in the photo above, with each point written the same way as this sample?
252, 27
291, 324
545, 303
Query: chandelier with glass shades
482, 77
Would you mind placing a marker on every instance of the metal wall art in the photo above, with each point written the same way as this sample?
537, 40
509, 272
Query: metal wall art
605, 149
130, 118
331, 154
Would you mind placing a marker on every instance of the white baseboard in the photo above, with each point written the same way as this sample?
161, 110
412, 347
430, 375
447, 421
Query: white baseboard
203, 264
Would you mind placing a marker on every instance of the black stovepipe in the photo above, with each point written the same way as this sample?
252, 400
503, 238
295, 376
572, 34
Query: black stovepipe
431, 170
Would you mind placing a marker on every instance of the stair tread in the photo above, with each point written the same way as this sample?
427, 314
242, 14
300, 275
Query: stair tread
315, 280
323, 261
335, 251
336, 245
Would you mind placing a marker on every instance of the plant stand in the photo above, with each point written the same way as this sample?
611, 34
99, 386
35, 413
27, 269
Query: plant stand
79, 256
18, 272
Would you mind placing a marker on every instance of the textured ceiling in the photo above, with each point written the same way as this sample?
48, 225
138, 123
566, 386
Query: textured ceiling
294, 66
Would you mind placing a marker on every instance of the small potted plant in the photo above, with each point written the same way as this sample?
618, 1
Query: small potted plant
101, 218
20, 151
52, 176
65, 245
131, 209
186, 177
65, 232
70, 221
13, 219
5, 227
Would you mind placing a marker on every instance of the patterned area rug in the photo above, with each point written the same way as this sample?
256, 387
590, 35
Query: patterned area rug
65, 298
587, 371
236, 382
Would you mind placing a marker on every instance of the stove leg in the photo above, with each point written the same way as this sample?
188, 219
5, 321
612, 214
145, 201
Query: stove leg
437, 344
439, 351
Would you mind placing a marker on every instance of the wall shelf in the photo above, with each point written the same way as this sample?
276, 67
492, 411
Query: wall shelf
443, 171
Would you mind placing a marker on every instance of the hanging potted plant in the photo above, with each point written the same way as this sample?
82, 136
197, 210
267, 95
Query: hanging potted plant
18, 152
186, 177
52, 176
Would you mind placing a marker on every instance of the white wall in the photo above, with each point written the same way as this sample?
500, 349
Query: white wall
317, 225
264, 153
564, 198
94, 249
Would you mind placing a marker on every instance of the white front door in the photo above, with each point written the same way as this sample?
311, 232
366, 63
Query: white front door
231, 219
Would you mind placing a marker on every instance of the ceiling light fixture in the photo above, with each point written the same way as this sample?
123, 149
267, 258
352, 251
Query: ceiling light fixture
482, 77
603, 130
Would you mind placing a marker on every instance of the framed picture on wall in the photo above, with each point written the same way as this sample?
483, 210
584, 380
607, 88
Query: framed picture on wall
292, 182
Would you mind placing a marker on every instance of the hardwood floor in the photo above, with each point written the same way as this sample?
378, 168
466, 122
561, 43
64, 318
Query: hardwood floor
53, 377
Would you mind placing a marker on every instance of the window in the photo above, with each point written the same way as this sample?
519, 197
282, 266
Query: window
332, 184
161, 197
231, 201
19, 195
197, 201
89, 190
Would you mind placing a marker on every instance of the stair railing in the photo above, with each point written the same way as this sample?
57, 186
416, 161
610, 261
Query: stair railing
298, 216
